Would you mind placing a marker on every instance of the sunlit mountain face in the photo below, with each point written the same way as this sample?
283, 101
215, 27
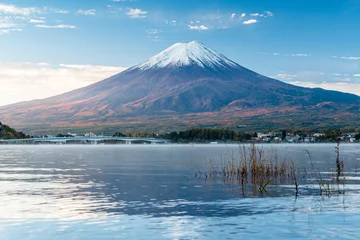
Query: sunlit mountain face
191, 85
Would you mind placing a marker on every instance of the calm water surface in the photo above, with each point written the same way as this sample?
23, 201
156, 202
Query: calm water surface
151, 192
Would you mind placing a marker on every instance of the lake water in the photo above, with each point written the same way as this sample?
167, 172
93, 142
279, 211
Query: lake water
156, 192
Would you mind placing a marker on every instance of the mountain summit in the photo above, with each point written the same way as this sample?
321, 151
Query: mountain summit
185, 54
188, 84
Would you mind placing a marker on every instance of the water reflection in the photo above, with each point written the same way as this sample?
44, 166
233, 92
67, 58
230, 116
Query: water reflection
151, 192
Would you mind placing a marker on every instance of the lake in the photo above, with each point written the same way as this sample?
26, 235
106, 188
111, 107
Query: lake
162, 192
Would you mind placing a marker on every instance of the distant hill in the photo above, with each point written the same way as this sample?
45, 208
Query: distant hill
187, 85
7, 132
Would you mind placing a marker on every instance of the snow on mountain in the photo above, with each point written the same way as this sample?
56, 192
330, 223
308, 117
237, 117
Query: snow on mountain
185, 54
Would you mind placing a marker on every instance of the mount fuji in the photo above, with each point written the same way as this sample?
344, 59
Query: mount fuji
186, 85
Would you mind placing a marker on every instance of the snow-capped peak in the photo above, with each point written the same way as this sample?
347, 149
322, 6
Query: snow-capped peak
185, 54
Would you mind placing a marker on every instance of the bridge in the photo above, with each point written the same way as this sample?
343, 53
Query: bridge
84, 140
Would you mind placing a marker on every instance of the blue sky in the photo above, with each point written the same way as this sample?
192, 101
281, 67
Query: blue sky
49, 47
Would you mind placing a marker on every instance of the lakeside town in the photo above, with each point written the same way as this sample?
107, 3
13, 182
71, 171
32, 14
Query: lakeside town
228, 136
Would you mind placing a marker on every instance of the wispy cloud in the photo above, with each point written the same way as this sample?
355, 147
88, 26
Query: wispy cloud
216, 20
153, 34
344, 86
286, 54
61, 11
153, 31
15, 18
7, 31
22, 81
346, 58
269, 14
314, 79
36, 20
12, 9
54, 10
11, 23
55, 26
250, 21
300, 55
8, 24
91, 12
339, 74
136, 13
263, 15
284, 76
256, 15
198, 27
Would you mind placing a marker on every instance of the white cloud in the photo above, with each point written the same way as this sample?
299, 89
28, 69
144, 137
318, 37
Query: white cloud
36, 21
250, 21
12, 9
62, 11
268, 13
345, 79
56, 10
23, 81
8, 25
7, 31
55, 26
14, 18
153, 34
284, 76
340, 86
356, 75
216, 20
300, 55
347, 58
153, 31
136, 13
87, 12
263, 15
256, 15
292, 54
198, 27
339, 74
350, 58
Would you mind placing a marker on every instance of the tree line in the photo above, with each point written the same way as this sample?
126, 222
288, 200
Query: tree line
195, 135
204, 135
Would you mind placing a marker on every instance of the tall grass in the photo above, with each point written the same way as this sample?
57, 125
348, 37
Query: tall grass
255, 167
260, 169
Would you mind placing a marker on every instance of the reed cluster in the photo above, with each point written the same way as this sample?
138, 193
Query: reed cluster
255, 167
259, 168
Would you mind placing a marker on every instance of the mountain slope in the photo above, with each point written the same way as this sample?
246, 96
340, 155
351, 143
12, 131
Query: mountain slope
184, 80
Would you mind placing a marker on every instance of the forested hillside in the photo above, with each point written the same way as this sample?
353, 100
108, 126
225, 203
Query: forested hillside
7, 132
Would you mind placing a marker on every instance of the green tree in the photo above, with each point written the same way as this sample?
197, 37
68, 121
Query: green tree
283, 135
357, 136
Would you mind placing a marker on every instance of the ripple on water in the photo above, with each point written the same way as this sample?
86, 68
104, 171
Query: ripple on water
118, 193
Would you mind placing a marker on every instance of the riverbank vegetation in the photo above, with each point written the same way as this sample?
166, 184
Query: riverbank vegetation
259, 170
